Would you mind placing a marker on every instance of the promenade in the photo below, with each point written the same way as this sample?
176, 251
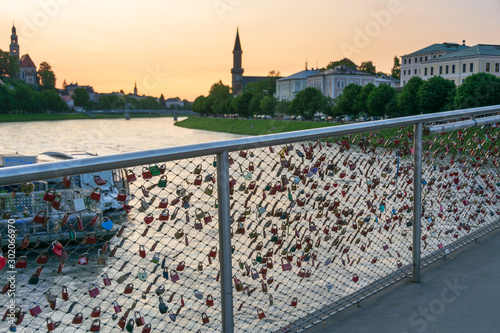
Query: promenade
458, 294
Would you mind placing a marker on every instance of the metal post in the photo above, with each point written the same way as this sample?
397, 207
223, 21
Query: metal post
225, 242
417, 199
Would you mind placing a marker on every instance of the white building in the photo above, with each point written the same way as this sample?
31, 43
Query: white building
288, 87
333, 81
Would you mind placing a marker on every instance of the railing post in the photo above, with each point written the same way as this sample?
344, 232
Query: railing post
417, 199
225, 242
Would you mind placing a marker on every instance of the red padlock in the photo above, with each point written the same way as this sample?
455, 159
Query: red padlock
129, 288
96, 312
122, 195
146, 173
99, 181
93, 290
64, 294
213, 252
50, 195
355, 278
149, 218
35, 310
163, 203
261, 314
78, 318
94, 219
181, 266
198, 180
210, 300
67, 182
131, 176
40, 217
22, 262
207, 218
84, 259
204, 318
286, 266
96, 326
139, 319
294, 302
117, 307
106, 279
96, 194
146, 329
56, 204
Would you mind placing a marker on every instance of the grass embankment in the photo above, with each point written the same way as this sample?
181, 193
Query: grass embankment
5, 118
248, 126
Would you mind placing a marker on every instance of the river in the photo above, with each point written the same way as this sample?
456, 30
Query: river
99, 136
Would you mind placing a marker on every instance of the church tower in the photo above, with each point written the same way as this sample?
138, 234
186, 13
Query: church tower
135, 89
14, 46
237, 71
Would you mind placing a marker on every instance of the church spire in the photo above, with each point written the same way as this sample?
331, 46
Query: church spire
14, 46
135, 88
237, 45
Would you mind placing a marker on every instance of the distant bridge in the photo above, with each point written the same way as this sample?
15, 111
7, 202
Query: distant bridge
178, 112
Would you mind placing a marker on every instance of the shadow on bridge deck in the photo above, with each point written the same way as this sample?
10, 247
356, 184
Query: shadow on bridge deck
458, 294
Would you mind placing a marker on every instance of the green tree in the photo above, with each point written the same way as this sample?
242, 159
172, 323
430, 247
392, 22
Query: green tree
282, 107
198, 104
379, 98
25, 98
345, 102
108, 102
268, 105
309, 101
345, 61
407, 100
6, 99
481, 89
396, 68
368, 67
8, 65
162, 101
207, 105
47, 76
391, 109
54, 102
81, 97
241, 104
361, 100
434, 94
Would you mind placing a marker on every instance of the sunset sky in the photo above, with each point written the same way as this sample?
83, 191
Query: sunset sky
180, 48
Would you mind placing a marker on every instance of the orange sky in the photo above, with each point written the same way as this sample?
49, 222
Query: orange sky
180, 48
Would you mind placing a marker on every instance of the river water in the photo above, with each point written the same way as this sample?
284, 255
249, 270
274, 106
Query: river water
99, 136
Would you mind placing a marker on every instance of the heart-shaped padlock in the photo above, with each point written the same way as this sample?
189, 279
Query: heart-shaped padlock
27, 188
142, 275
107, 224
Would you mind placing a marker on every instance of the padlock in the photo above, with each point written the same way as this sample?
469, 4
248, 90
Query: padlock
200, 266
93, 290
180, 266
139, 319
174, 276
117, 306
64, 294
162, 183
204, 318
210, 300
261, 314
56, 203
49, 195
165, 272
96, 194
122, 195
294, 302
197, 170
286, 266
160, 290
35, 309
162, 306
213, 252
130, 325
146, 328
40, 217
95, 326
146, 173
96, 312
83, 259
78, 318
106, 279
142, 251
209, 189
355, 278
129, 288
67, 181
142, 274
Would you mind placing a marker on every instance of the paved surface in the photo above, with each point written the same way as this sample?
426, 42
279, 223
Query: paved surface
459, 294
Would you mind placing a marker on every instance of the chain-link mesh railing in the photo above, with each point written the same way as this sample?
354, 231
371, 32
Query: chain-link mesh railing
312, 224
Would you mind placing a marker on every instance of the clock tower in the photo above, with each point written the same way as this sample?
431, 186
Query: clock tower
14, 45
237, 71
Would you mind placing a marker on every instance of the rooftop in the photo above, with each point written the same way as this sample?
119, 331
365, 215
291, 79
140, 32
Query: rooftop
444, 47
480, 49
300, 75
26, 61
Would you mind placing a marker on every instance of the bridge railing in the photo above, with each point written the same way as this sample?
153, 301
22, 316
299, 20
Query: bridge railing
268, 233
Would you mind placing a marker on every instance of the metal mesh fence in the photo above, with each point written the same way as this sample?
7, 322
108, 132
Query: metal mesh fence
137, 249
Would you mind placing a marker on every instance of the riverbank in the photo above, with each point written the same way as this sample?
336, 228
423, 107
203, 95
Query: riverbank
5, 118
248, 126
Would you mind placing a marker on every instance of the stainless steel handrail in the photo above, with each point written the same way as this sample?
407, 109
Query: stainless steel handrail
15, 175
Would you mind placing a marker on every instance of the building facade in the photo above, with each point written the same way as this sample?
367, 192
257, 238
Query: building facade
288, 87
333, 81
27, 68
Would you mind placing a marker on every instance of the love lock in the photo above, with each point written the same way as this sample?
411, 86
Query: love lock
96, 194
129, 288
96, 312
93, 290
139, 319
117, 307
142, 274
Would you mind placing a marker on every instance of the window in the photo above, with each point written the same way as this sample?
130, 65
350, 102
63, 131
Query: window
453, 81
447, 69
404, 72
420, 59
404, 61
404, 82
340, 84
415, 71
434, 56
471, 67
487, 67
497, 67
356, 82
440, 70
409, 60
425, 71
425, 58
416, 59
453, 69
432, 71
464, 68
